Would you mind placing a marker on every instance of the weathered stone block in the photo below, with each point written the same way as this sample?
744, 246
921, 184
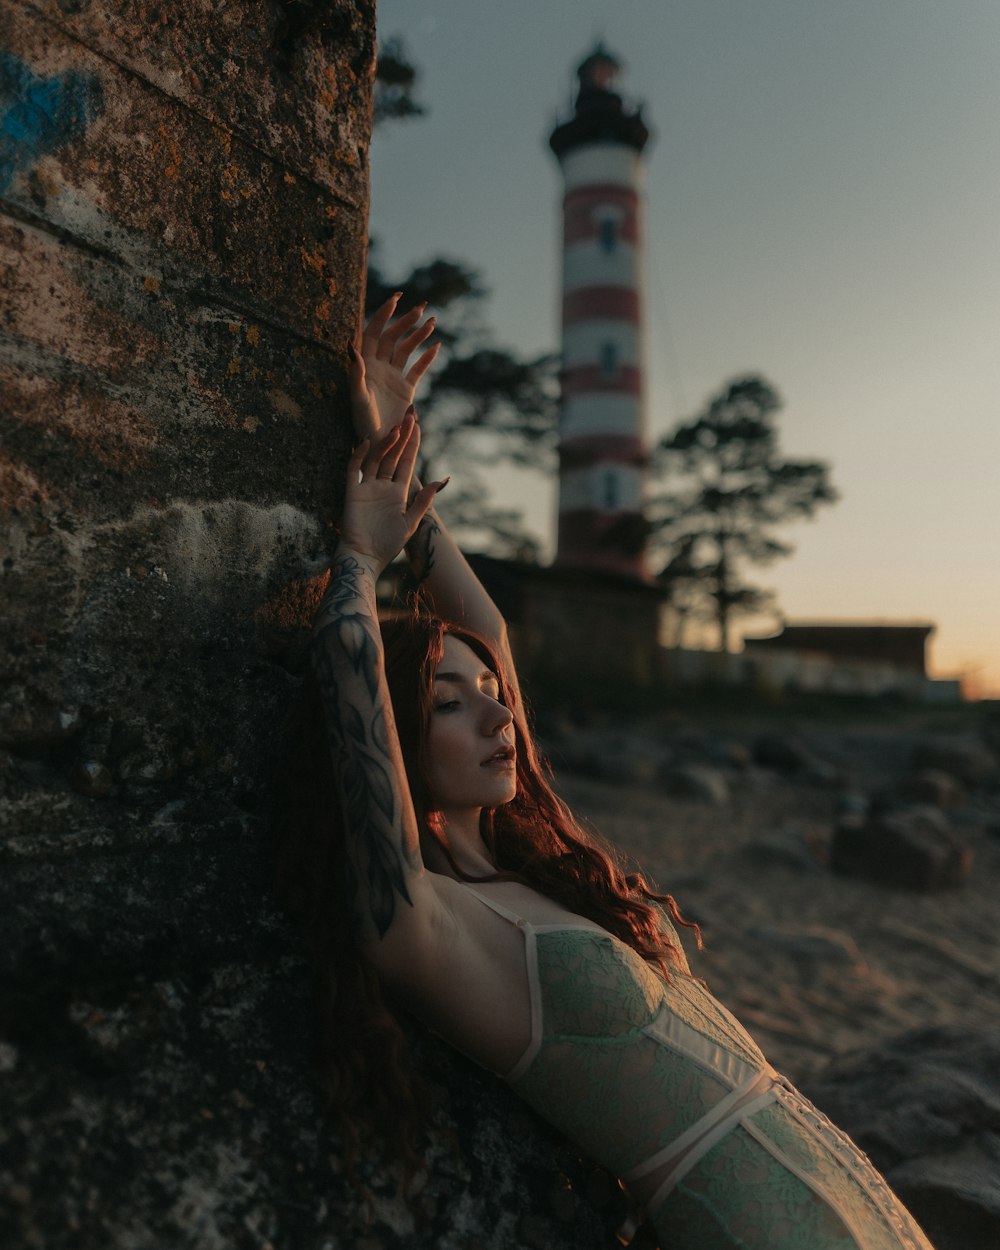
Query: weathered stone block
168, 451
182, 202
293, 78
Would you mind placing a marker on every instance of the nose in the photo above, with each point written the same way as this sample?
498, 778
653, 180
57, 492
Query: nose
497, 717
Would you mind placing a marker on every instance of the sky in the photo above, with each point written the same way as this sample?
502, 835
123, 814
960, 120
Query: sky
822, 208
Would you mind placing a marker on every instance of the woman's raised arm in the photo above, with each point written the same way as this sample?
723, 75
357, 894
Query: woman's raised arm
383, 385
386, 878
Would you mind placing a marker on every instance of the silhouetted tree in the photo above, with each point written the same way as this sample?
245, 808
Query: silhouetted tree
481, 405
727, 487
395, 82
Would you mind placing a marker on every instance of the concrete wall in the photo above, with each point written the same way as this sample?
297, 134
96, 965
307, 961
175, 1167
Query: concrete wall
183, 217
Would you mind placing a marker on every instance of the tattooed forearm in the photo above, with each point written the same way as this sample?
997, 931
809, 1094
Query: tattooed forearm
420, 548
347, 651
351, 584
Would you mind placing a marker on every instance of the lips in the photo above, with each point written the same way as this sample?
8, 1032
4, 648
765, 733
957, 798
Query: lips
504, 755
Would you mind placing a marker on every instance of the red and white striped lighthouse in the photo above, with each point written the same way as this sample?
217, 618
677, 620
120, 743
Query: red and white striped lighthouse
602, 424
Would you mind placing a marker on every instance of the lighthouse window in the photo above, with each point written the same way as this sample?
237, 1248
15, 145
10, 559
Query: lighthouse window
609, 362
607, 234
610, 490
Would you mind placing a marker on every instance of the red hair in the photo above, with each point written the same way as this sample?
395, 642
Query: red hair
533, 839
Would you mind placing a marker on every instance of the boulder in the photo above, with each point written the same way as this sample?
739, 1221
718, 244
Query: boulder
853, 803
925, 1107
967, 758
933, 786
697, 782
785, 850
626, 765
783, 752
728, 753
823, 775
579, 758
606, 755
909, 848
179, 1107
812, 943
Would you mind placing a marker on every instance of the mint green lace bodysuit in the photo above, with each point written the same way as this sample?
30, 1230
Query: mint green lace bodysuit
650, 1077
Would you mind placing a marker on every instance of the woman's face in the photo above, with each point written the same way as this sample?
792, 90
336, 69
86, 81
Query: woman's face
469, 758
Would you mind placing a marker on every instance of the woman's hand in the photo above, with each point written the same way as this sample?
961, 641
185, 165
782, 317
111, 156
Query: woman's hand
379, 516
382, 388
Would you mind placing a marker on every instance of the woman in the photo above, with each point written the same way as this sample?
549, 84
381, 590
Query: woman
482, 907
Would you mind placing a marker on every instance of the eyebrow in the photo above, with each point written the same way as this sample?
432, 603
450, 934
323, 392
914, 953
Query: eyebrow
486, 675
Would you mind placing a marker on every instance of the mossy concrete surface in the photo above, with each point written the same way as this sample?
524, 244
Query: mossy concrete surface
183, 221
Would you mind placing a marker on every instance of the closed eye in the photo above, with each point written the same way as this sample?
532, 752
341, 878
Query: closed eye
450, 706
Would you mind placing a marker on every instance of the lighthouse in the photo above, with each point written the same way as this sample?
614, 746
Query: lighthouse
602, 422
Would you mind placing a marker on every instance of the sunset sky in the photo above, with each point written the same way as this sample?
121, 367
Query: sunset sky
823, 207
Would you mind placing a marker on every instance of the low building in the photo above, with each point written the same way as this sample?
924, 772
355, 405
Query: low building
866, 658
569, 626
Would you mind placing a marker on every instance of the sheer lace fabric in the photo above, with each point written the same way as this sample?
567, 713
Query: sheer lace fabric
659, 1080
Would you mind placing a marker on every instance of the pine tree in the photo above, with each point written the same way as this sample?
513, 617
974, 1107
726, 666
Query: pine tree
726, 488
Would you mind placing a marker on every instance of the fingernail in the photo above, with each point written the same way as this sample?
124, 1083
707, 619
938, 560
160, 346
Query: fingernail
441, 485
396, 295
410, 412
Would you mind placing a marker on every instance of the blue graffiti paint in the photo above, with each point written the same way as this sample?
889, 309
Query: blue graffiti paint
40, 115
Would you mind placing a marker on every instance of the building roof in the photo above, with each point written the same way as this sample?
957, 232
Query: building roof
903, 645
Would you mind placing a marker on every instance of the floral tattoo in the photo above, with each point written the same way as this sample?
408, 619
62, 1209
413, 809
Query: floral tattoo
420, 548
347, 651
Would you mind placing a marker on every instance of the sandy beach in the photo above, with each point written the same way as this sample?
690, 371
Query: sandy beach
815, 963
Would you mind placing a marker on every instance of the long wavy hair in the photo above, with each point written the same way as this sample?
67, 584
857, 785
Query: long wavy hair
535, 839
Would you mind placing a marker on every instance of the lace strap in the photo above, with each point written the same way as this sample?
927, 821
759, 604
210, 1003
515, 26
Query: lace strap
534, 984
499, 908
685, 1151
